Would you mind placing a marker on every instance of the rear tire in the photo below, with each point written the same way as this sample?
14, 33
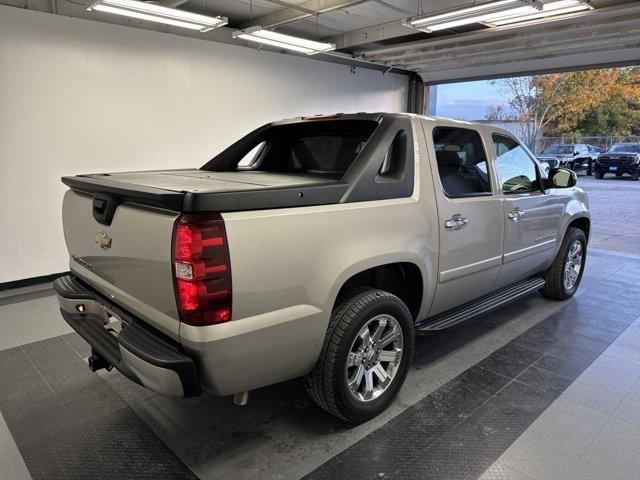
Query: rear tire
599, 175
565, 274
339, 383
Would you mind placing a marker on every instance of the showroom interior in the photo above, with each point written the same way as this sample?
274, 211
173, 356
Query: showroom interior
536, 389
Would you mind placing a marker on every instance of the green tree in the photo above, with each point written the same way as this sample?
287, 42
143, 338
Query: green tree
589, 102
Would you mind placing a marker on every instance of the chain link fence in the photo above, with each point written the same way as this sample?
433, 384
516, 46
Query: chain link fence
603, 142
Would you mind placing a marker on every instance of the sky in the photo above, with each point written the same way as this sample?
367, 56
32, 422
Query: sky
467, 100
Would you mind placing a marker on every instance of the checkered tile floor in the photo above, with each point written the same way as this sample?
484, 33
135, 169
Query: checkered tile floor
539, 389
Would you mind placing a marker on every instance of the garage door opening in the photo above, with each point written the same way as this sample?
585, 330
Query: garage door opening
587, 120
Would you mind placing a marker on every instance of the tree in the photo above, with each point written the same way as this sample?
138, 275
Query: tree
589, 102
619, 112
496, 113
533, 100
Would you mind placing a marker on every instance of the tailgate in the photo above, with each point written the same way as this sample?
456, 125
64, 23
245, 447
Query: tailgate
129, 260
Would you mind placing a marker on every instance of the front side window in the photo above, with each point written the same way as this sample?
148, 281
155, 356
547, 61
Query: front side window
516, 170
462, 162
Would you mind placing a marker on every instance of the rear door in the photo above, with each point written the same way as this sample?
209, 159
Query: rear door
470, 218
531, 217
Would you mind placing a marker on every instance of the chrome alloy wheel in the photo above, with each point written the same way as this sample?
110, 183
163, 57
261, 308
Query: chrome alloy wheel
573, 265
374, 358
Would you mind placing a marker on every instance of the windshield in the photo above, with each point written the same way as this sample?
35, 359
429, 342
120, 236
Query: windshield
625, 147
559, 149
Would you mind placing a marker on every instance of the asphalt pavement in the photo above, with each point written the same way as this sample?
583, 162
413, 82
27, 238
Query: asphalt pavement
615, 212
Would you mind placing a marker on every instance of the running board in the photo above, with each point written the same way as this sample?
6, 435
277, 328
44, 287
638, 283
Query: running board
482, 305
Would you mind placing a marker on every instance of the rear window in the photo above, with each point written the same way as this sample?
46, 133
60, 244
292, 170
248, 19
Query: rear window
315, 147
559, 149
323, 153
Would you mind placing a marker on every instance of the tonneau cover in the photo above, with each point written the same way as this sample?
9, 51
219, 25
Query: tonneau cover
221, 186
197, 190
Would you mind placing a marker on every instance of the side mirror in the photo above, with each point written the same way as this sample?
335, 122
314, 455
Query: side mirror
561, 178
576, 153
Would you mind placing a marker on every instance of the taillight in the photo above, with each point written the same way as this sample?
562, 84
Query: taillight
201, 269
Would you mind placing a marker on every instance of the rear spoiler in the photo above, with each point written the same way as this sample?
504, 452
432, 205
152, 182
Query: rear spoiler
127, 192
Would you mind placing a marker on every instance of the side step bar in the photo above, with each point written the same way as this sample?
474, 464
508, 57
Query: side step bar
482, 305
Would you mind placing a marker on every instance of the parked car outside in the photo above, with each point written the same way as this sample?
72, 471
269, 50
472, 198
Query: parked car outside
575, 156
320, 257
595, 150
621, 158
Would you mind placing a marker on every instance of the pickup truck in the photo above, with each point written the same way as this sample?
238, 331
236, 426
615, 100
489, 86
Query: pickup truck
576, 156
314, 247
619, 159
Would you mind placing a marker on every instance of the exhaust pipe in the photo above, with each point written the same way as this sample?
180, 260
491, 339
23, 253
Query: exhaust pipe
241, 399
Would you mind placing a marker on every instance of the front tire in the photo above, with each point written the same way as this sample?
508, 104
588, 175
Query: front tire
365, 356
565, 274
635, 176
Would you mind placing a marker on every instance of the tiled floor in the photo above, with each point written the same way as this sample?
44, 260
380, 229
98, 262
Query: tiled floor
592, 431
539, 389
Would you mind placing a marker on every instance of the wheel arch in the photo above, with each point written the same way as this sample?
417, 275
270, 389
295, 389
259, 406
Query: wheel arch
581, 222
403, 279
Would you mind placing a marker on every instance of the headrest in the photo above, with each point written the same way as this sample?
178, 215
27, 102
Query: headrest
445, 157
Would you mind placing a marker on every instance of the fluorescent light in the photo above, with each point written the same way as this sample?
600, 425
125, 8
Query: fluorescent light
473, 14
550, 9
275, 39
156, 13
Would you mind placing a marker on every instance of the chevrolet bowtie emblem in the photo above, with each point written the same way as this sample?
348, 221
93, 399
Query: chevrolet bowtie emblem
103, 240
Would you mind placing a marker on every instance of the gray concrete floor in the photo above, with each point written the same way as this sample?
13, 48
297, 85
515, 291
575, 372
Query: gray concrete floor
615, 212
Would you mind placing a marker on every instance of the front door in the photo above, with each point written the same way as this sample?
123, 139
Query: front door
470, 218
531, 216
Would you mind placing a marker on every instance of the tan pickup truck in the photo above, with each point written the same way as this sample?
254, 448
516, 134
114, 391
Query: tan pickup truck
314, 247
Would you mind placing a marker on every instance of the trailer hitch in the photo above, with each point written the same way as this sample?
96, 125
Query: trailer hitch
96, 362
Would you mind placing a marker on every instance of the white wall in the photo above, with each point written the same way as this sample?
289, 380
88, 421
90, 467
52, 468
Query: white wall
78, 96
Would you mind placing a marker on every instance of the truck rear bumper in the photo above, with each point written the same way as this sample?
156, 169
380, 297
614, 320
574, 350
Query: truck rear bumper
138, 351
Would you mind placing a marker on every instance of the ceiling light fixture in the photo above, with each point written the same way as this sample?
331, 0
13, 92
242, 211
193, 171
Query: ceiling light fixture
477, 13
159, 14
289, 42
549, 9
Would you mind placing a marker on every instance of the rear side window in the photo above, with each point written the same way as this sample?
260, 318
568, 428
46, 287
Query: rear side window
516, 171
252, 157
462, 162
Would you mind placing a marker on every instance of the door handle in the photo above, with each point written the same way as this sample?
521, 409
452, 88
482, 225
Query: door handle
456, 222
516, 213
